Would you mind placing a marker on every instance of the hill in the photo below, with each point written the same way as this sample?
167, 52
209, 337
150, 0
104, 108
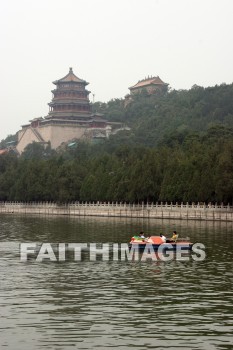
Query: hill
154, 119
179, 148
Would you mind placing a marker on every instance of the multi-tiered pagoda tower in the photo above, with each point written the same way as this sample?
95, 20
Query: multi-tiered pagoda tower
70, 99
70, 117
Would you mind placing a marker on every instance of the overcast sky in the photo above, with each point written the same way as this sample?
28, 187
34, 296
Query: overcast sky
110, 43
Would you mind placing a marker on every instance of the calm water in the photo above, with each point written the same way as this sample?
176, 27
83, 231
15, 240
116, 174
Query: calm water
114, 305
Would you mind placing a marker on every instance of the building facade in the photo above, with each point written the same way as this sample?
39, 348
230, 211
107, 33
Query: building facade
150, 85
70, 117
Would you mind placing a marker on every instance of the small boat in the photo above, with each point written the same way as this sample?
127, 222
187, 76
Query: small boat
157, 243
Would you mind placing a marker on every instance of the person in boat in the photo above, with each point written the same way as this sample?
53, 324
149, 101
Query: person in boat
174, 236
163, 238
141, 235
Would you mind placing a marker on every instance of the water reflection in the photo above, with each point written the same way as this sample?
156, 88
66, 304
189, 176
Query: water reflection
123, 305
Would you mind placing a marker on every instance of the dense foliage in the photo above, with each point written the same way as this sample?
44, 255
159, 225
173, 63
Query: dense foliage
154, 119
180, 148
9, 139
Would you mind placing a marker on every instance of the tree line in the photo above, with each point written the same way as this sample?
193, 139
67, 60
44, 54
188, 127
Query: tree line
198, 169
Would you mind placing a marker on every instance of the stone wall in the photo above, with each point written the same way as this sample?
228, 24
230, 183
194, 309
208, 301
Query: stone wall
172, 211
24, 138
57, 134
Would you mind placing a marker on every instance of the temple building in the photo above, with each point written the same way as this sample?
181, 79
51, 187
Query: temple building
150, 85
70, 117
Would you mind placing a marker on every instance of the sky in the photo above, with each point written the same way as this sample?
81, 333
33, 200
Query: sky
111, 44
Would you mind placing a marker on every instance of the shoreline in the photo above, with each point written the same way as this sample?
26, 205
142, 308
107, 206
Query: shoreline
149, 211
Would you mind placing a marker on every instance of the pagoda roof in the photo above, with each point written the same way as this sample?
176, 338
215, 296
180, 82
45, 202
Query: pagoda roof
70, 77
148, 81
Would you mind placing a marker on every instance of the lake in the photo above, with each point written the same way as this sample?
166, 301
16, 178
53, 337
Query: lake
115, 304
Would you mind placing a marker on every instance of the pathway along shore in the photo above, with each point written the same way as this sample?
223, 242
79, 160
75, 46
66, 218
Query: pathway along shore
198, 211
